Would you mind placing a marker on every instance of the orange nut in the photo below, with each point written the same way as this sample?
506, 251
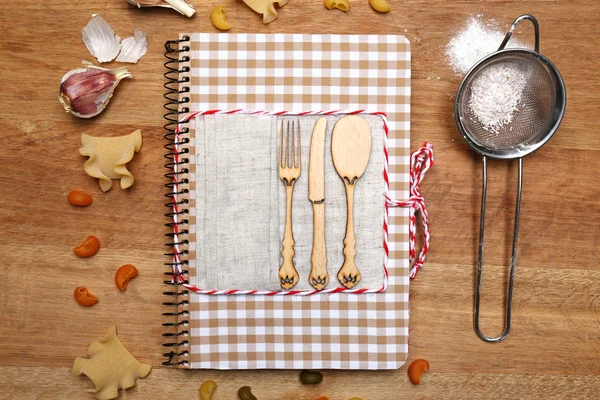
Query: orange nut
87, 248
84, 297
79, 198
416, 369
124, 274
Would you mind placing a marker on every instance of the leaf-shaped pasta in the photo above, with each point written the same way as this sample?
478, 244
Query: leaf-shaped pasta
108, 156
110, 366
266, 8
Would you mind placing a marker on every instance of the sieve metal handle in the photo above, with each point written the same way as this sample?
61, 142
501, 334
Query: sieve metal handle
512, 259
536, 28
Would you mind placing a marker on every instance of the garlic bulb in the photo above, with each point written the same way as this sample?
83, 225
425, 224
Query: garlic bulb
180, 6
86, 91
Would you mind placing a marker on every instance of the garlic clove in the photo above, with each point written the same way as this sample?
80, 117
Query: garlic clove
85, 92
100, 39
133, 48
181, 6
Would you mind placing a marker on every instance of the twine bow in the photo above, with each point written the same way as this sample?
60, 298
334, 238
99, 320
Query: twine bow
420, 161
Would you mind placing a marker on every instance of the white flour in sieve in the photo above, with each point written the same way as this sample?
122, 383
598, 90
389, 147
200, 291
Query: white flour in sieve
495, 95
497, 91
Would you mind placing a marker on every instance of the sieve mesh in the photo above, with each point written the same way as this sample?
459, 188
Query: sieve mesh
533, 117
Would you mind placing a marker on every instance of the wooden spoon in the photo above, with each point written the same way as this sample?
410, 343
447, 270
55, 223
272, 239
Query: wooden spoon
351, 149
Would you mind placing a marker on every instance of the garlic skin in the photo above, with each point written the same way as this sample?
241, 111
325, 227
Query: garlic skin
85, 92
181, 6
133, 48
100, 39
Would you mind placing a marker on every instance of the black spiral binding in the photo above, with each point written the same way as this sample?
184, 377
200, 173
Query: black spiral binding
178, 324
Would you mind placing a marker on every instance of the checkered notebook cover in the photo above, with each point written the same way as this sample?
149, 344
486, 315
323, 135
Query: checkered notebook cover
293, 74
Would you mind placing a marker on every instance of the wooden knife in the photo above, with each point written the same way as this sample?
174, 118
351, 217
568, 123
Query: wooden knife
318, 277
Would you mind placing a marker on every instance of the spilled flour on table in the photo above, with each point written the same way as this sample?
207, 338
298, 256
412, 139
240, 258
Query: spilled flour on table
474, 41
496, 92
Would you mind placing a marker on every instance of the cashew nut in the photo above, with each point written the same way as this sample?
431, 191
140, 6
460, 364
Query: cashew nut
218, 17
380, 5
416, 369
87, 248
339, 4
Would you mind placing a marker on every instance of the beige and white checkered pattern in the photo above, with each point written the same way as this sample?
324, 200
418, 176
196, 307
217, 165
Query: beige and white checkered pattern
297, 73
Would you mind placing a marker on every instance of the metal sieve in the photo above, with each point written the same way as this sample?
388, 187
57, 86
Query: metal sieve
533, 122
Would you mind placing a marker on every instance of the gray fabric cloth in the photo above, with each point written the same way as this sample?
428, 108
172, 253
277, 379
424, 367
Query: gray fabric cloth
240, 206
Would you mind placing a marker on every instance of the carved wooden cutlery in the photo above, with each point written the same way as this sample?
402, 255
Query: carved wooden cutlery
350, 149
289, 172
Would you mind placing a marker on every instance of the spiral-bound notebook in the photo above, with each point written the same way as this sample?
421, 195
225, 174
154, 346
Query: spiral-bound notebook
228, 95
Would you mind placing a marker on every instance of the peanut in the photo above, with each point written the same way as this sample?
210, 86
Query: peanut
323, 398
310, 377
84, 297
124, 275
79, 198
207, 389
245, 393
88, 248
416, 369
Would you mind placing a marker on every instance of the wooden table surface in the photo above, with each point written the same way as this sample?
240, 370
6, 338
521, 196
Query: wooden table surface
553, 350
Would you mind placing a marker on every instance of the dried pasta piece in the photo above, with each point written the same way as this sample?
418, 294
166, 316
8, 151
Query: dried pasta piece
266, 8
380, 5
84, 297
339, 4
218, 17
110, 366
108, 156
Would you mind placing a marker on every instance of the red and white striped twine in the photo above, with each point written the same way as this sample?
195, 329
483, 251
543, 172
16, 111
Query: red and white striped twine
421, 161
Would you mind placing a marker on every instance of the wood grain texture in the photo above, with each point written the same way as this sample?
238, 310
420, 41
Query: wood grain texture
319, 277
553, 350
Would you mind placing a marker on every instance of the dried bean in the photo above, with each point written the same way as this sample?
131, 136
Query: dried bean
311, 377
79, 198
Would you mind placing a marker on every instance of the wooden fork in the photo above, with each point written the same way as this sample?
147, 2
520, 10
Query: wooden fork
289, 172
